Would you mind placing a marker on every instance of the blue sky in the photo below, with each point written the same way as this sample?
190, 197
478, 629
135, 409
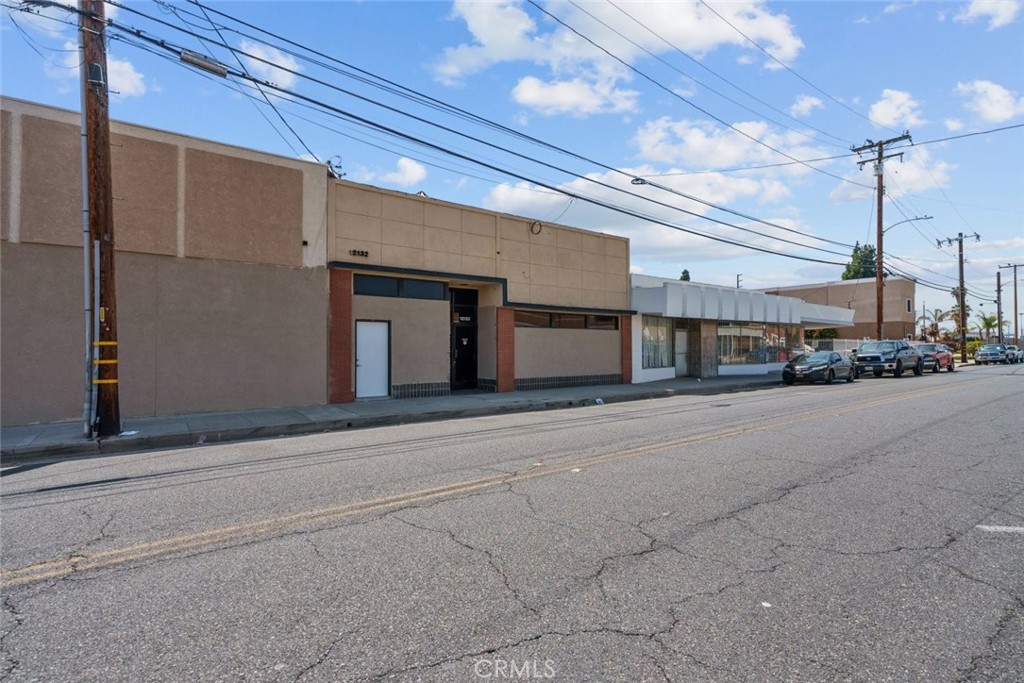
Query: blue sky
719, 107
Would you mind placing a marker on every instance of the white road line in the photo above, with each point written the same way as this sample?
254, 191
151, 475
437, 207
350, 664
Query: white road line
1003, 529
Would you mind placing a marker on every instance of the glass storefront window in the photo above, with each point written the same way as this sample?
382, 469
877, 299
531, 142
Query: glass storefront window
657, 342
742, 344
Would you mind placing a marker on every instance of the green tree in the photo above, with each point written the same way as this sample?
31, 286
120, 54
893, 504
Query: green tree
929, 321
685, 277
862, 263
986, 323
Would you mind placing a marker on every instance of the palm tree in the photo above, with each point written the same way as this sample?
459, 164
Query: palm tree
986, 323
929, 321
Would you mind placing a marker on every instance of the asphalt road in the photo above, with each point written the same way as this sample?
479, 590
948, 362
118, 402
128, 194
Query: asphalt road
870, 532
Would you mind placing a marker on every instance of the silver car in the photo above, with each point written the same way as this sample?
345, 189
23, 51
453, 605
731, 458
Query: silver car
991, 353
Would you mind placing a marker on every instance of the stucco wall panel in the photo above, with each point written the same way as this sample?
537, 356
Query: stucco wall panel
42, 338
420, 336
51, 187
514, 230
544, 352
402, 234
402, 209
441, 261
235, 335
401, 257
440, 239
475, 265
563, 266
144, 180
363, 202
242, 210
487, 359
193, 335
477, 223
5, 174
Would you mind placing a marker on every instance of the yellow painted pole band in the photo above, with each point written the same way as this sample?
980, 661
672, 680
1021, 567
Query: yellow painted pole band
104, 362
104, 343
104, 381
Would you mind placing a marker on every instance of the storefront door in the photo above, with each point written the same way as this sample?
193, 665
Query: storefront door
464, 349
373, 355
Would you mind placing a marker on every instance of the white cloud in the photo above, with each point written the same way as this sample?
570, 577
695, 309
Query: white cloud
804, 105
122, 78
917, 172
125, 81
650, 241
503, 32
576, 97
270, 64
999, 13
701, 145
409, 172
895, 109
954, 125
990, 101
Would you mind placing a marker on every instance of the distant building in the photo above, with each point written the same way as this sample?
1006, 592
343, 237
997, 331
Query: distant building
688, 329
899, 313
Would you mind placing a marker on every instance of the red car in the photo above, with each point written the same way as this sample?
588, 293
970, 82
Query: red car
936, 357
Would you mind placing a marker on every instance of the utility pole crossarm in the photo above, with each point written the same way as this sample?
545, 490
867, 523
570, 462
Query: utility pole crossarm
879, 166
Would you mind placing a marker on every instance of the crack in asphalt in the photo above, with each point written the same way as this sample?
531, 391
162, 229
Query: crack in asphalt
11, 663
491, 560
323, 655
78, 554
989, 648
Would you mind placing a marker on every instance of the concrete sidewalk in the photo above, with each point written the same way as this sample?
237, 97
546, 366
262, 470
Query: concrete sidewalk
21, 444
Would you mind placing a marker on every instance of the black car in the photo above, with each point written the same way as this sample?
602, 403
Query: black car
820, 366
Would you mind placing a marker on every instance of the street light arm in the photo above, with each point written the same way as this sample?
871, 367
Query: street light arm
916, 218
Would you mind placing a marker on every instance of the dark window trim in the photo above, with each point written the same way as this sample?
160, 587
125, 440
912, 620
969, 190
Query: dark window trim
363, 268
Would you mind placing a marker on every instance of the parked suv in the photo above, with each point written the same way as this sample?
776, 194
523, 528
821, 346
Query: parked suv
1013, 353
893, 356
936, 357
991, 353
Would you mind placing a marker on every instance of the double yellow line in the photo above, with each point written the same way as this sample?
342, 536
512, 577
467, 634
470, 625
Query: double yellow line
265, 527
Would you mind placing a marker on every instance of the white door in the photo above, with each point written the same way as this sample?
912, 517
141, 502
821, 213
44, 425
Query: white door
373, 350
681, 339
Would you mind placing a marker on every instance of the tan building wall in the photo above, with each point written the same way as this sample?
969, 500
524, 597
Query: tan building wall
542, 263
897, 322
194, 335
553, 352
221, 305
420, 336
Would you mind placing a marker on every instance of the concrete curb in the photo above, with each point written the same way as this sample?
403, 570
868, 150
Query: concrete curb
21, 455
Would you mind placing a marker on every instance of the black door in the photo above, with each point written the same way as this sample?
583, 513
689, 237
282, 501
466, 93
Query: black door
464, 360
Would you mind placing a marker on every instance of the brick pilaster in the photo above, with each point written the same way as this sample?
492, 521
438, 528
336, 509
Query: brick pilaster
626, 332
506, 349
340, 355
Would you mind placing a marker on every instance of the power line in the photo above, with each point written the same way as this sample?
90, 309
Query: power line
137, 33
163, 44
709, 70
783, 64
673, 93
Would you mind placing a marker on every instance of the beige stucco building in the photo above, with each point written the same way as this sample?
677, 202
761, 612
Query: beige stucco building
250, 280
899, 313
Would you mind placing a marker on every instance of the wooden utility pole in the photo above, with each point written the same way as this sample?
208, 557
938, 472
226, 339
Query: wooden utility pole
1016, 313
101, 214
999, 305
880, 196
961, 292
